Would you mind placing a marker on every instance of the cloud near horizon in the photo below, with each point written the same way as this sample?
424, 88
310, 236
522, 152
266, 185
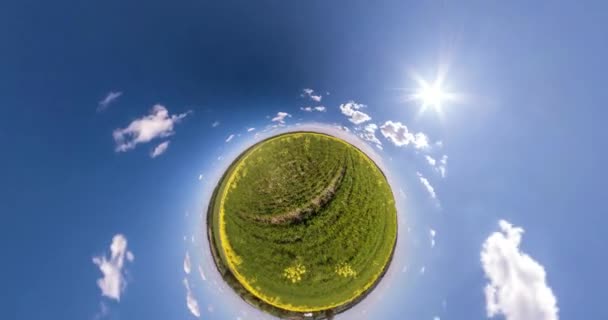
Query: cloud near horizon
113, 282
191, 301
157, 124
280, 117
351, 109
517, 287
399, 134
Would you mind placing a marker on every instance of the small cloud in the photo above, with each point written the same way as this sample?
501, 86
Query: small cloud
250, 129
191, 301
310, 94
187, 265
369, 134
436, 318
158, 124
230, 137
422, 270
438, 165
113, 282
201, 273
280, 117
215, 124
200, 177
517, 287
110, 98
432, 234
425, 182
311, 109
399, 134
351, 110
160, 149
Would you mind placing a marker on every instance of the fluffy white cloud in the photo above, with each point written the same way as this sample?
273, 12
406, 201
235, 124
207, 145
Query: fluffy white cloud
351, 110
399, 134
191, 301
113, 282
310, 93
280, 117
160, 149
158, 124
110, 97
427, 185
517, 285
187, 265
230, 137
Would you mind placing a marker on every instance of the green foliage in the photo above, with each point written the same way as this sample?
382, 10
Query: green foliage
311, 218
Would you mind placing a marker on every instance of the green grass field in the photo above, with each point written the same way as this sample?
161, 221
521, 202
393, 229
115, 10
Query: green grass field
303, 222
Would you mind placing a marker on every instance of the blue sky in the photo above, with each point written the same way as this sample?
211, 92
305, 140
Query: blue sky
91, 90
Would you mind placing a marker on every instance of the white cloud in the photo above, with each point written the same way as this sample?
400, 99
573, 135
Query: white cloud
425, 182
187, 265
280, 117
160, 149
113, 282
215, 124
311, 109
432, 234
158, 124
369, 134
309, 93
399, 134
200, 177
110, 97
351, 110
517, 285
229, 138
440, 165
191, 301
250, 129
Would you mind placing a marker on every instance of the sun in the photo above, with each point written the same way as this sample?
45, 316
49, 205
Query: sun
431, 95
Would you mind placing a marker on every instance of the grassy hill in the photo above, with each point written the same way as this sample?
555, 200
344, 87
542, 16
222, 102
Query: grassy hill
302, 222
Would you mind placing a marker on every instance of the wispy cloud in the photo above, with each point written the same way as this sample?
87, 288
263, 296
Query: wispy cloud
230, 137
399, 134
110, 97
250, 129
191, 301
440, 166
159, 149
215, 124
351, 109
368, 133
517, 285
432, 234
311, 109
310, 94
427, 185
280, 117
157, 124
113, 282
187, 264
202, 273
